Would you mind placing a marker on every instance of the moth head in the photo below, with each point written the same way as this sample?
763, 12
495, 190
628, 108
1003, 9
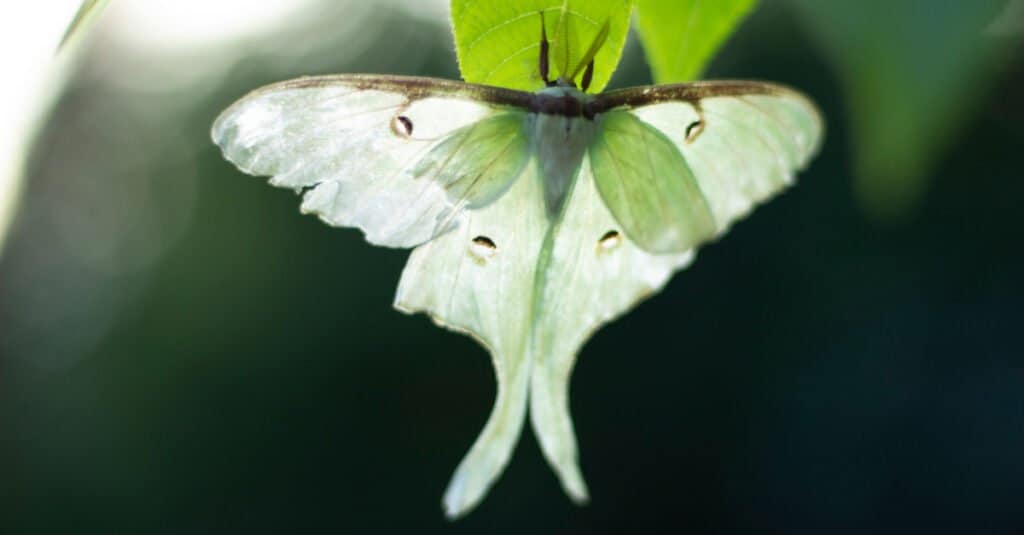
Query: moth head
567, 76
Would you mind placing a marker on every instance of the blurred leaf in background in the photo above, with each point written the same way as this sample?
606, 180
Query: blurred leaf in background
35, 77
913, 72
681, 36
498, 42
1010, 22
87, 13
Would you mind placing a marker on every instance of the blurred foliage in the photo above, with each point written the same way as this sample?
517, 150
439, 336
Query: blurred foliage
681, 36
181, 351
85, 16
498, 42
913, 73
31, 38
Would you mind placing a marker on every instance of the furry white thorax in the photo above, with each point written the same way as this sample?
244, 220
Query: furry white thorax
560, 143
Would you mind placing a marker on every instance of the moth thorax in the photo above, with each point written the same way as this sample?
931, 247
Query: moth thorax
560, 143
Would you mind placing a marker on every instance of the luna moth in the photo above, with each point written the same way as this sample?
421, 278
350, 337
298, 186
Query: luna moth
534, 217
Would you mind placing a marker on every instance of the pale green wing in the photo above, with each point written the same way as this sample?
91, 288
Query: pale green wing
737, 143
662, 177
397, 157
478, 279
589, 273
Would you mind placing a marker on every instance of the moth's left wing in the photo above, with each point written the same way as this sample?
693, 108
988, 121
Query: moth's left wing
478, 279
400, 158
677, 164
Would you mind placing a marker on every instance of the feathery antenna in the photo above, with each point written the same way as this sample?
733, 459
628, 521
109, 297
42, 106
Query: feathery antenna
544, 51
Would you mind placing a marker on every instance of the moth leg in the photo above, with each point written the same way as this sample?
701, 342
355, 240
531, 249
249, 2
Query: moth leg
544, 52
588, 75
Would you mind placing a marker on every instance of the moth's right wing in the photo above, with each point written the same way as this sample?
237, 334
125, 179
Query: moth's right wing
678, 164
398, 157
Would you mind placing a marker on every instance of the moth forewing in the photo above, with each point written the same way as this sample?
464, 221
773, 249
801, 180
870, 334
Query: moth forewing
354, 145
743, 141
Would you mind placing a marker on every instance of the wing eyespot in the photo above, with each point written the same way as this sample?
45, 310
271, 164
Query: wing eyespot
401, 126
610, 240
693, 130
483, 247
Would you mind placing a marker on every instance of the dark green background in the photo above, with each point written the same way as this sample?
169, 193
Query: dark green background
815, 371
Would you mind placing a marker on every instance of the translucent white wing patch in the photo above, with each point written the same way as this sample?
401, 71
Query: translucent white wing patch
359, 154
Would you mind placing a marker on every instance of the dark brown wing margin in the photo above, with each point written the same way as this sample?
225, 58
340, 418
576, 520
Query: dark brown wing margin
414, 87
634, 97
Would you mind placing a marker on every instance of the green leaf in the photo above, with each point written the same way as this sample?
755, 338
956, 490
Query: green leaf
681, 36
498, 42
913, 72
